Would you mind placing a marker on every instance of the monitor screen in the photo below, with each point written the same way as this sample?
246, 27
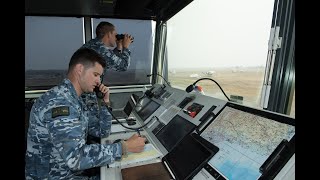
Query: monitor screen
147, 110
129, 106
174, 131
245, 139
189, 156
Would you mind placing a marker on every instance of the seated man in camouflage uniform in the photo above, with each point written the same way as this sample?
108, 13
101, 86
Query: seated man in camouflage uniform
117, 58
60, 121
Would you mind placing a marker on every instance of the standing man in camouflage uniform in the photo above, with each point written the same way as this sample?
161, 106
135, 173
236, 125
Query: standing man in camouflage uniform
60, 121
117, 58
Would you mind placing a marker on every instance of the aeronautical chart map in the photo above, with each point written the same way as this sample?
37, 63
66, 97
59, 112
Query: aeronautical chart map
245, 141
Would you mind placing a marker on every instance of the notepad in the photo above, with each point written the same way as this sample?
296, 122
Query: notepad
149, 153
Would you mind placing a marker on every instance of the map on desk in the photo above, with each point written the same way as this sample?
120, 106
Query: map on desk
149, 153
245, 141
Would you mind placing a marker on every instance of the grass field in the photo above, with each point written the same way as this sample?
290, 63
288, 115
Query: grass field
245, 82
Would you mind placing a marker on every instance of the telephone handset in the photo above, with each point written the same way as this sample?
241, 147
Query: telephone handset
99, 94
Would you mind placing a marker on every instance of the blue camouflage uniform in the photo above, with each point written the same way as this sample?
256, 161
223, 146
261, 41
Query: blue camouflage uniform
56, 141
118, 61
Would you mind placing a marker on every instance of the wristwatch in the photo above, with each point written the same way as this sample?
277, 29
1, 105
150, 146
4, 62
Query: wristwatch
124, 149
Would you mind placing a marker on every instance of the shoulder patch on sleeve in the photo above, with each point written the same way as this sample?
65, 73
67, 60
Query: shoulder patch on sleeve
60, 111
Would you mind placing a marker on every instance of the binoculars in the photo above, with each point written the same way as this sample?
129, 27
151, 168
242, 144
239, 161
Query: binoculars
121, 36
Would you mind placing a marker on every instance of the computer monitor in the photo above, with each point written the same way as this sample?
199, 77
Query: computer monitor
147, 110
174, 131
246, 138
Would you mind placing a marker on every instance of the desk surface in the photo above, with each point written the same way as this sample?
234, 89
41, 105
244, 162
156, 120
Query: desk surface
114, 170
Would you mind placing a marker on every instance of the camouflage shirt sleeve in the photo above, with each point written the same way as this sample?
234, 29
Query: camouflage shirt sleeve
114, 60
68, 135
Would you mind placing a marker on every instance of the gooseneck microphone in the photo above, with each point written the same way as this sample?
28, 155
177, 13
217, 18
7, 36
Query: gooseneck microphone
192, 86
161, 77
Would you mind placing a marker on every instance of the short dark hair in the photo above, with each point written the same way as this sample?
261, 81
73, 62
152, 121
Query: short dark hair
104, 28
87, 57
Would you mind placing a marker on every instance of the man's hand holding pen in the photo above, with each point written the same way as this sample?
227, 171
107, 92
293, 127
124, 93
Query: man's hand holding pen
135, 143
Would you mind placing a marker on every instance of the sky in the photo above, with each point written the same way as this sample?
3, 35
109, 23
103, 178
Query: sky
224, 33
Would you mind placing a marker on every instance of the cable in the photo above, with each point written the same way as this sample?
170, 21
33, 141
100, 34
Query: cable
100, 95
135, 129
191, 87
161, 77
